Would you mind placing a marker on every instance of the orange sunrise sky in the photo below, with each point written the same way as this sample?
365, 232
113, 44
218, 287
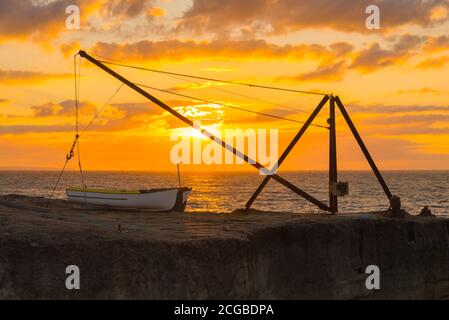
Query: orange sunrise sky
394, 81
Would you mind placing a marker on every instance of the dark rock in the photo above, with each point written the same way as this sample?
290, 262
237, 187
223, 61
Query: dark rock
425, 212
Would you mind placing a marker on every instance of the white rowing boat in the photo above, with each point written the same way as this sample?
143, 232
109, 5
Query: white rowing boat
168, 199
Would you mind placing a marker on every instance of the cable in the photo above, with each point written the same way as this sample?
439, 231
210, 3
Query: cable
174, 75
76, 93
77, 141
70, 154
56, 184
228, 106
97, 113
243, 95
118, 63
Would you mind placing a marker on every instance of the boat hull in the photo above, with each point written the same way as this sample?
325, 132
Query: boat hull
173, 199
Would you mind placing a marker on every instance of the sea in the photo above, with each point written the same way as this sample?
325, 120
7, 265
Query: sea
226, 192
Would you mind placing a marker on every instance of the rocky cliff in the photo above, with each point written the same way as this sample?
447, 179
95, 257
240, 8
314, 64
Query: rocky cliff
217, 256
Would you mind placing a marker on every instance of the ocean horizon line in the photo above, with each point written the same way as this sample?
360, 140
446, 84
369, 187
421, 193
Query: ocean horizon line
214, 171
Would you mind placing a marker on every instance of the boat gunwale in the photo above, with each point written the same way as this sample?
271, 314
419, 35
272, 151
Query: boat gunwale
130, 192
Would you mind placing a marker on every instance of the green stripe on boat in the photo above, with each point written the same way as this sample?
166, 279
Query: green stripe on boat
105, 191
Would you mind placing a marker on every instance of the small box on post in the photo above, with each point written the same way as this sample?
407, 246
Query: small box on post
339, 189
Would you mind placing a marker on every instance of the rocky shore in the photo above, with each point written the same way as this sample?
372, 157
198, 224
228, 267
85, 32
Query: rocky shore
256, 255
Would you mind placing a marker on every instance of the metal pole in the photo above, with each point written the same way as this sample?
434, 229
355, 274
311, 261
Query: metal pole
179, 175
363, 147
288, 149
333, 200
203, 131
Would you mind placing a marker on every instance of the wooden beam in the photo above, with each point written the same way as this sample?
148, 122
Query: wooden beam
302, 193
288, 149
363, 147
333, 200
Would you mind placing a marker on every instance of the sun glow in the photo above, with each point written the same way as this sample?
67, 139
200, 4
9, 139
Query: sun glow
205, 116
215, 129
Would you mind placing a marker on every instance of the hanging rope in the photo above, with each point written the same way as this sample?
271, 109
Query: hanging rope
71, 152
228, 106
67, 159
76, 91
121, 64
77, 86
76, 143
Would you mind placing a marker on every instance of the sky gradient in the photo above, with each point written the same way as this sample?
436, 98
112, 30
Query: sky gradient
393, 81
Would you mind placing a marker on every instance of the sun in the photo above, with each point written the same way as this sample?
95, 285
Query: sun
201, 114
215, 129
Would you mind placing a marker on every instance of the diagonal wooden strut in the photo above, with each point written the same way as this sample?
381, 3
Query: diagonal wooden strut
302, 193
333, 200
363, 147
189, 122
285, 154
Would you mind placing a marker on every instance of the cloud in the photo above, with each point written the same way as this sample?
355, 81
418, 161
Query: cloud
373, 57
38, 20
283, 16
156, 12
434, 62
341, 48
407, 42
44, 20
63, 108
399, 50
219, 69
340, 57
127, 8
384, 109
124, 10
333, 60
436, 44
125, 19
424, 90
416, 129
131, 109
69, 49
21, 76
175, 50
408, 119
196, 85
332, 72
116, 117
23, 129
116, 112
